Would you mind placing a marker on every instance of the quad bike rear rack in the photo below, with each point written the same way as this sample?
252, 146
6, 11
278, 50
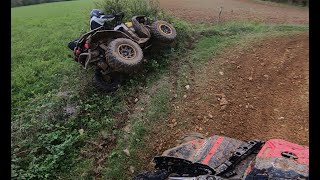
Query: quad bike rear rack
200, 171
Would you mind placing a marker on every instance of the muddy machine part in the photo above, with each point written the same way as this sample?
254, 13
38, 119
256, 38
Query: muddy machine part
220, 157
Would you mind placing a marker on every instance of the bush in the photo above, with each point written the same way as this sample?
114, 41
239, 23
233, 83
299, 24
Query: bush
130, 8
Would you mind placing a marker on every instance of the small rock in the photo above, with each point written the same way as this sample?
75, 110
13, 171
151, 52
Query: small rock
104, 134
200, 128
250, 78
175, 95
131, 169
220, 95
238, 67
266, 76
222, 132
210, 116
262, 64
187, 87
184, 96
81, 131
232, 62
221, 73
280, 118
126, 151
136, 100
223, 101
223, 107
142, 109
173, 120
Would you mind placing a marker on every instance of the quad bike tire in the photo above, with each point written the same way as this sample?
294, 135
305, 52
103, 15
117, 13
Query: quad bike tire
114, 83
163, 31
123, 55
140, 30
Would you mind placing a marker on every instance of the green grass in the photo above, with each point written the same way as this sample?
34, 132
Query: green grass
40, 34
46, 141
156, 111
282, 4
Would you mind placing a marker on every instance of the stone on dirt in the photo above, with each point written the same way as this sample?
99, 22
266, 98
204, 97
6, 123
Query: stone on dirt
126, 151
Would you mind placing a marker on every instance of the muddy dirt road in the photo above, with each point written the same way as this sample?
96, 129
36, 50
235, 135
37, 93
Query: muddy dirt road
259, 91
235, 10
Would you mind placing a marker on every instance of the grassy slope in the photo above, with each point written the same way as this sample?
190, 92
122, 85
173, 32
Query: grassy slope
41, 132
45, 140
40, 34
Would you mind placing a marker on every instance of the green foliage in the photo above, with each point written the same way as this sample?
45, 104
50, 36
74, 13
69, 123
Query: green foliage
130, 8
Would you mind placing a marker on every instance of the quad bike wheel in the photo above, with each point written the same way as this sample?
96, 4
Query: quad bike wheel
163, 31
140, 30
107, 83
124, 55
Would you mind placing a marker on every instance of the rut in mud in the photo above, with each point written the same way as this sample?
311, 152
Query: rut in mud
255, 92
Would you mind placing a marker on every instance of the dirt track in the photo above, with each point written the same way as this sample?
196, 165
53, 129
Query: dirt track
259, 91
235, 10
254, 92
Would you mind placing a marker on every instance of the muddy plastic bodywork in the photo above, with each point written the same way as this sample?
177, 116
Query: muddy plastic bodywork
280, 159
235, 159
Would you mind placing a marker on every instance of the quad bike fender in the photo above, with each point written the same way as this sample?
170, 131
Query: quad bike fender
105, 35
140, 18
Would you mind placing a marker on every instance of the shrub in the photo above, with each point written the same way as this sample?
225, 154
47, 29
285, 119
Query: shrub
130, 8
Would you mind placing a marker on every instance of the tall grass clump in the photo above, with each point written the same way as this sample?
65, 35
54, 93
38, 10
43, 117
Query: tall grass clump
150, 8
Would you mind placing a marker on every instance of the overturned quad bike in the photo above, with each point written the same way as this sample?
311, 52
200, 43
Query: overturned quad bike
220, 157
116, 48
